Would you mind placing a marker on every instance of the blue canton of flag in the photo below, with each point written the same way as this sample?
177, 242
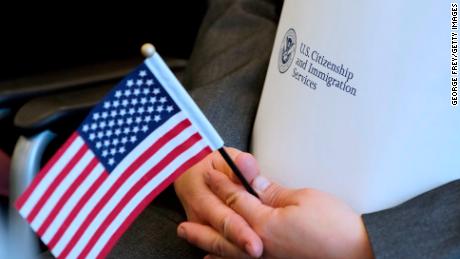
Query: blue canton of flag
136, 107
133, 144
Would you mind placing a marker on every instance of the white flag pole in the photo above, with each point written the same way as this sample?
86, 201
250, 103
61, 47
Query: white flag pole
148, 50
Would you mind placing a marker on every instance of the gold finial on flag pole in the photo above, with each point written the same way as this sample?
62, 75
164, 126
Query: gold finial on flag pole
148, 50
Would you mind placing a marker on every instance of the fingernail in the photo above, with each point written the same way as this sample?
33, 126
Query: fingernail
260, 183
181, 232
247, 163
252, 250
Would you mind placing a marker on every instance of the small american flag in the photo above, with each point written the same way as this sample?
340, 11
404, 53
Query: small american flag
139, 139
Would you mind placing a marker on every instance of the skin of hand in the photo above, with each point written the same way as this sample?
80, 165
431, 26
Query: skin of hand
300, 223
223, 231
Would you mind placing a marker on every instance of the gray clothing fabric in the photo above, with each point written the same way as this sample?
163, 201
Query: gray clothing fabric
427, 226
228, 64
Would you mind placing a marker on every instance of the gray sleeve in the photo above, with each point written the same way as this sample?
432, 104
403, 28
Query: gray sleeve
427, 226
227, 68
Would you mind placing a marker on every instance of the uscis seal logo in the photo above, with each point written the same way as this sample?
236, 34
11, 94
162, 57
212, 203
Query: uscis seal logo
287, 50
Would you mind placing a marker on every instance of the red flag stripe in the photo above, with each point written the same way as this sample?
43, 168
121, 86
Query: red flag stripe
72, 202
77, 208
157, 145
131, 169
146, 201
65, 197
134, 189
25, 196
56, 182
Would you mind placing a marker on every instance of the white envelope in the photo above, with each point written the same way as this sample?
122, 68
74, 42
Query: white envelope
384, 131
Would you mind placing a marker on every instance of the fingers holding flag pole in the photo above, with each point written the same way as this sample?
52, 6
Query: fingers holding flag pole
237, 172
148, 50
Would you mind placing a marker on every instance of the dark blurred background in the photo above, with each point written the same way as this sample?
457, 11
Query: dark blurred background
34, 39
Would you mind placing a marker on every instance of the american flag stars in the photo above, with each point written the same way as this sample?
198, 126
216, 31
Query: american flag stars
134, 108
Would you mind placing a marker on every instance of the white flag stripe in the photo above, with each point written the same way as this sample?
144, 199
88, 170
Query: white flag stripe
71, 203
127, 161
146, 143
60, 190
130, 158
129, 183
146, 190
50, 177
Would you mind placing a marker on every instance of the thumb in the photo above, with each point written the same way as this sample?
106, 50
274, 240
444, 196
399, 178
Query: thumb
273, 194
